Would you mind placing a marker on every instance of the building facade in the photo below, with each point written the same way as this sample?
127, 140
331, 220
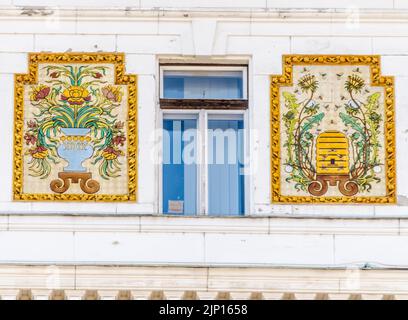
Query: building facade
323, 217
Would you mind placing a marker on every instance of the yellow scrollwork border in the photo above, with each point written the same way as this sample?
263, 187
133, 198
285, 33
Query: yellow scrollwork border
20, 80
387, 82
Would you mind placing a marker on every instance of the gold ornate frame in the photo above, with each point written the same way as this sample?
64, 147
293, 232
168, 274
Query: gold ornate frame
387, 82
118, 59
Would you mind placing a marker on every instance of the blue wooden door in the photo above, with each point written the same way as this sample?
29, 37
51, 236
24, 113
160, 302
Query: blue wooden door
225, 167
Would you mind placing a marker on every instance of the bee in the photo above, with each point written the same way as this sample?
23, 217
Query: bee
296, 91
367, 91
320, 97
327, 106
342, 97
339, 75
357, 70
323, 75
305, 70
337, 107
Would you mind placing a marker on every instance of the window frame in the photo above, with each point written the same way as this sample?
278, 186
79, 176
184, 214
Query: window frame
211, 104
202, 117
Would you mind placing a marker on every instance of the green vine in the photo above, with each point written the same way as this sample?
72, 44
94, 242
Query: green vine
299, 120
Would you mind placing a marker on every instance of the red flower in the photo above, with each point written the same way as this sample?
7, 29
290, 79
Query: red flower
119, 140
38, 149
32, 124
111, 153
119, 125
97, 75
54, 74
39, 153
29, 138
41, 92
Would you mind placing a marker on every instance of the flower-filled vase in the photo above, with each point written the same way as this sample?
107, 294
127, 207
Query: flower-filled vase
84, 127
75, 148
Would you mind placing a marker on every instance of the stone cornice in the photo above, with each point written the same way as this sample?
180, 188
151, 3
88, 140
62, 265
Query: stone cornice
108, 282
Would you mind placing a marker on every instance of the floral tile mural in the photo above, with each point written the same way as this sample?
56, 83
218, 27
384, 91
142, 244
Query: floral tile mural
332, 120
75, 129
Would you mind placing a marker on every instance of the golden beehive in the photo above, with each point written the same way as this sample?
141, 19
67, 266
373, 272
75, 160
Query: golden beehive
332, 153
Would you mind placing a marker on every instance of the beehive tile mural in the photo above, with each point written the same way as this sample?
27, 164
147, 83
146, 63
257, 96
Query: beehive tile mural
332, 136
75, 129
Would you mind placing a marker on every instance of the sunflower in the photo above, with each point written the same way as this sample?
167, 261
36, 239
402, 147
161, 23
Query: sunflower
308, 83
354, 83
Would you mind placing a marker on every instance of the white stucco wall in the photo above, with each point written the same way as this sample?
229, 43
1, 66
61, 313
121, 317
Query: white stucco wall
260, 37
259, 32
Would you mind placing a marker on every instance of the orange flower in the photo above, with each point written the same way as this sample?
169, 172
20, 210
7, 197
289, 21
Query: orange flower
76, 95
39, 152
112, 93
111, 153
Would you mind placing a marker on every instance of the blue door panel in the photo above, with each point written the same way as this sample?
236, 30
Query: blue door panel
179, 178
225, 172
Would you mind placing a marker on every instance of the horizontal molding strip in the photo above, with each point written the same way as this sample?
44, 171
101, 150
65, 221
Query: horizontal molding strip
267, 14
174, 224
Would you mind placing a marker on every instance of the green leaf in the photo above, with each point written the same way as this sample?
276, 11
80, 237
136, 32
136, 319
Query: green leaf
373, 98
289, 115
355, 136
312, 121
352, 122
308, 136
291, 101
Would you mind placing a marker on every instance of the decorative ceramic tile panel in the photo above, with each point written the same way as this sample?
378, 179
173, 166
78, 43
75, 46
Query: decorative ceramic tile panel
332, 138
75, 129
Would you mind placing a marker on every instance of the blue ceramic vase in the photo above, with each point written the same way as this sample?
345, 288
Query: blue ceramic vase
75, 148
